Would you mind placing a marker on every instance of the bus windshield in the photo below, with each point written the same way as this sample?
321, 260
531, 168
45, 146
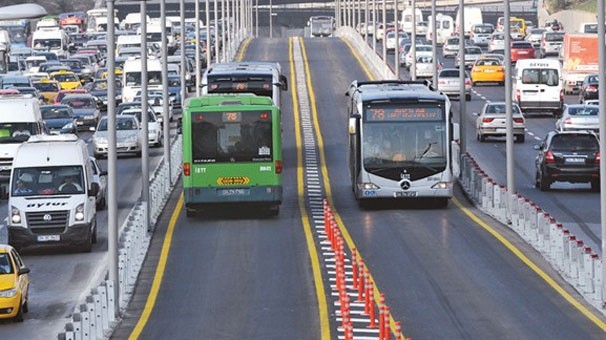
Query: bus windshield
410, 138
260, 85
229, 137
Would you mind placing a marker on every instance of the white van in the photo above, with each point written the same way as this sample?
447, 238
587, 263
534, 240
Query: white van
473, 16
52, 196
51, 39
538, 85
20, 118
444, 27
131, 77
407, 19
589, 27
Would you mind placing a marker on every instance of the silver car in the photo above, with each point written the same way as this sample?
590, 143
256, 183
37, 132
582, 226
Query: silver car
497, 42
128, 136
579, 117
449, 84
100, 177
450, 47
472, 53
492, 121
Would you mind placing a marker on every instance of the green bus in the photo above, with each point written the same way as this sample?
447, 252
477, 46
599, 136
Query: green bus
232, 152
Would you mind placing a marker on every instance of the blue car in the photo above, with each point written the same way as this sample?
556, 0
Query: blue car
174, 90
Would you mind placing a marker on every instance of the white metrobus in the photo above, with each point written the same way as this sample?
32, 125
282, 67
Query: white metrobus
260, 78
401, 139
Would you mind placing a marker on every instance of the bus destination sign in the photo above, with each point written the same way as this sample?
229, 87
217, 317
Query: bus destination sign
391, 114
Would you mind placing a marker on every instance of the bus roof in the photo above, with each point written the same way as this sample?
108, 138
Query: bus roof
395, 91
247, 66
229, 100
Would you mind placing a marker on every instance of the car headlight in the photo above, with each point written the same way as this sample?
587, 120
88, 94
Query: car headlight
100, 140
131, 139
8, 293
79, 213
118, 97
87, 71
89, 117
15, 215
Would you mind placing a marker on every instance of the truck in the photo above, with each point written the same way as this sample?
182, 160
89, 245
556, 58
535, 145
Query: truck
53, 194
579, 58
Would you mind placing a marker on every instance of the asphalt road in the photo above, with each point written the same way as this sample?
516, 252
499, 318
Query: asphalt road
232, 275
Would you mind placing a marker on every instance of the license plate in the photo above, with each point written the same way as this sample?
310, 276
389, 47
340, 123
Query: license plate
47, 238
406, 194
501, 130
79, 123
489, 71
234, 192
523, 52
575, 160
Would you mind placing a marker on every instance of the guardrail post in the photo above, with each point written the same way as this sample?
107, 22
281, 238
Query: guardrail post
102, 290
111, 298
87, 330
597, 278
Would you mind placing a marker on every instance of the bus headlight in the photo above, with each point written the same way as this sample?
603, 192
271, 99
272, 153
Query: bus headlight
15, 215
79, 213
369, 186
440, 185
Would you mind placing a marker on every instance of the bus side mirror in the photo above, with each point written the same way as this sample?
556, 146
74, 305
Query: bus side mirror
456, 131
179, 126
283, 83
353, 125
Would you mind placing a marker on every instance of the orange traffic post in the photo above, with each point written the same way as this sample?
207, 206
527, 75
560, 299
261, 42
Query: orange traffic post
362, 280
345, 314
398, 330
387, 331
366, 295
354, 267
372, 308
382, 322
326, 209
349, 331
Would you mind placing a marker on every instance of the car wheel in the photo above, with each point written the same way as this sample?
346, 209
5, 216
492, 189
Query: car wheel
544, 183
482, 138
473, 83
468, 97
25, 307
94, 235
19, 316
595, 185
520, 138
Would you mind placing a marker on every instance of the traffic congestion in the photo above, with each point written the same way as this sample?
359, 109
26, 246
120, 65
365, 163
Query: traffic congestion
242, 249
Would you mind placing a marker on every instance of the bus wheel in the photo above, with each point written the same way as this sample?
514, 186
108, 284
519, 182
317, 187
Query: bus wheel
190, 212
274, 210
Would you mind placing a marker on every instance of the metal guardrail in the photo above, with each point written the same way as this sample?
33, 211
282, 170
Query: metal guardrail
94, 319
575, 261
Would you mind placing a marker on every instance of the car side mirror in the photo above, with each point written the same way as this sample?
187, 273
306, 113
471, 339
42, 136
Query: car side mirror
103, 173
475, 114
283, 83
94, 189
24, 270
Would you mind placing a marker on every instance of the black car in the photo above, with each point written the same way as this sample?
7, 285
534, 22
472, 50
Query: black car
568, 156
59, 119
589, 88
98, 88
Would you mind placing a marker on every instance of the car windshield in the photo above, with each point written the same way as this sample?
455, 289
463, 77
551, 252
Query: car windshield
500, 109
583, 111
592, 79
55, 112
573, 142
151, 118
554, 37
482, 29
521, 45
65, 77
424, 49
488, 62
125, 122
473, 50
79, 103
54, 180
47, 87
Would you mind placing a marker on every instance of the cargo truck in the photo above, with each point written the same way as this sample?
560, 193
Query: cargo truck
579, 58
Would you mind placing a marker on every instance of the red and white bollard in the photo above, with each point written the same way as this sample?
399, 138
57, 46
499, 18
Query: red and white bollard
354, 267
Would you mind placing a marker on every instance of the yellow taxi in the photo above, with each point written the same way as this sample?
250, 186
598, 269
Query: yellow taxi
104, 73
488, 70
68, 79
48, 89
14, 284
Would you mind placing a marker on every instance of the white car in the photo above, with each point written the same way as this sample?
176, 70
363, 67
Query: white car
472, 53
156, 102
390, 40
424, 66
492, 121
100, 177
497, 42
154, 127
450, 48
421, 50
128, 136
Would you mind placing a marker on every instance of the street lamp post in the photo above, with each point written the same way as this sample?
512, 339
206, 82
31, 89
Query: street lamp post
602, 95
165, 95
462, 97
144, 117
208, 39
198, 62
413, 48
395, 52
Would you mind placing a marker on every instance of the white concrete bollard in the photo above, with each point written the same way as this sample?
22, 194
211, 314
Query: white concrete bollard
111, 300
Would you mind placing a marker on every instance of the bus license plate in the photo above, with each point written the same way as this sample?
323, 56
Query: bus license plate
47, 238
406, 194
234, 192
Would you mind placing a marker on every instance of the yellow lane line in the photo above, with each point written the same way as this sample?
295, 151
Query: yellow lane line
311, 246
157, 283
517, 252
243, 49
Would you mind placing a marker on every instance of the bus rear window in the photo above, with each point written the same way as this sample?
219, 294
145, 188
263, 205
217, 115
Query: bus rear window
259, 85
231, 137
